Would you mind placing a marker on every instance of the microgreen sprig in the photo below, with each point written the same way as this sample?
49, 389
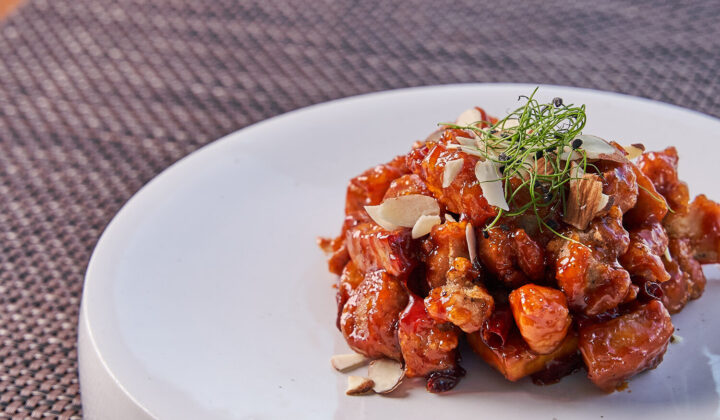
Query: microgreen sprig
537, 134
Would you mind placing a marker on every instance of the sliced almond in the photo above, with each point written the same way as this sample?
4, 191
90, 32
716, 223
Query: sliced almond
469, 117
449, 218
585, 200
471, 242
387, 375
403, 211
470, 150
424, 225
634, 150
486, 172
358, 385
596, 148
452, 169
510, 123
375, 212
345, 362
667, 255
465, 141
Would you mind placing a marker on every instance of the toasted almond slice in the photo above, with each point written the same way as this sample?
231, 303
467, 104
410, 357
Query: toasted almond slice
345, 362
596, 149
667, 255
375, 212
634, 150
469, 117
471, 242
424, 225
452, 169
510, 123
472, 151
492, 187
358, 385
405, 210
449, 218
466, 141
387, 375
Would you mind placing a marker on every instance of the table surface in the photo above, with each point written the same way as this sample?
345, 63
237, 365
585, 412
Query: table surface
99, 96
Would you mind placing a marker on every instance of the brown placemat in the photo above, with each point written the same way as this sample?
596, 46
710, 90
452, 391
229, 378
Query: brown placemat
98, 96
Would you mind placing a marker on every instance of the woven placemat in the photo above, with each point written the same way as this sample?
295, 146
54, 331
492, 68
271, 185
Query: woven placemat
98, 96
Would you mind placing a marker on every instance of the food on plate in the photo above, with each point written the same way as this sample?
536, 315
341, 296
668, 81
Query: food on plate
548, 249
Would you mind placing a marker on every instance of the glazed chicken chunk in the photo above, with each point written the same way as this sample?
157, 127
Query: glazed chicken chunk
546, 248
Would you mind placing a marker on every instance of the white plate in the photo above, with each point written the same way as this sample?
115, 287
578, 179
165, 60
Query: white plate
206, 296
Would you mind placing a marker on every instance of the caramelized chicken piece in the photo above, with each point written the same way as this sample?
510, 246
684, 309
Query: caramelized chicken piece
619, 182
514, 359
369, 318
512, 256
445, 243
407, 185
372, 248
643, 258
368, 188
460, 301
625, 346
464, 195
650, 207
701, 225
349, 280
681, 252
676, 291
338, 253
661, 169
587, 269
542, 316
427, 345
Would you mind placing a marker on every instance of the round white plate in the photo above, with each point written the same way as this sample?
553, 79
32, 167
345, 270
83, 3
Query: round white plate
206, 296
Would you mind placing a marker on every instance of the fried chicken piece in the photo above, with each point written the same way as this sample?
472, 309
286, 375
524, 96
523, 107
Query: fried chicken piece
445, 243
460, 301
687, 278
348, 281
676, 291
615, 350
514, 359
407, 185
512, 256
427, 345
369, 318
661, 169
650, 207
374, 248
542, 316
587, 269
701, 226
643, 258
465, 195
368, 188
619, 182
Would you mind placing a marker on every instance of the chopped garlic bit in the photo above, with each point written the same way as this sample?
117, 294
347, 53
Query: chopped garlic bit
675, 338
387, 375
452, 169
403, 211
358, 385
486, 172
345, 362
424, 225
471, 242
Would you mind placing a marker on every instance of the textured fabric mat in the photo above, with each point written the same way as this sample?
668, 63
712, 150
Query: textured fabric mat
98, 96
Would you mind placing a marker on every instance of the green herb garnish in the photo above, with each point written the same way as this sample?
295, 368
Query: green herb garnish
540, 135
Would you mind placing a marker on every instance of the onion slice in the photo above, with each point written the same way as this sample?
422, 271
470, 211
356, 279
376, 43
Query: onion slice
452, 169
492, 187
